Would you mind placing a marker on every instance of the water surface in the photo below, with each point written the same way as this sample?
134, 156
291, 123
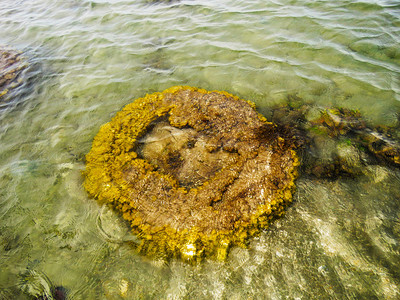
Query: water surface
339, 240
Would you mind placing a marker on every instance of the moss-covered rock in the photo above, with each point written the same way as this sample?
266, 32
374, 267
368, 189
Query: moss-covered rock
376, 140
336, 141
194, 172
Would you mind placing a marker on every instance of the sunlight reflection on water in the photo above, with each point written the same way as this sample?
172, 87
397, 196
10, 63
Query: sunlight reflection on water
340, 238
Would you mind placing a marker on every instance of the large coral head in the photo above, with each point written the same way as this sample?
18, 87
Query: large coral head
194, 172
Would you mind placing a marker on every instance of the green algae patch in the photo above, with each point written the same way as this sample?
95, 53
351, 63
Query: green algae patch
194, 172
11, 65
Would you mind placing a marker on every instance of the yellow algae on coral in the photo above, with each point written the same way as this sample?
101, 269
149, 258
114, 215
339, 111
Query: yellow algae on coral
194, 172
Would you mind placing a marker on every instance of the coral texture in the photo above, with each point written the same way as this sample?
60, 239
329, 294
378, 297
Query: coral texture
11, 65
194, 172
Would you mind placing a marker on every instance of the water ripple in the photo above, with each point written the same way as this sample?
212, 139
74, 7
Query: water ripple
90, 58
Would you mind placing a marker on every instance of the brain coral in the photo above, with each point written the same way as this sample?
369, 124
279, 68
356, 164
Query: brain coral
194, 172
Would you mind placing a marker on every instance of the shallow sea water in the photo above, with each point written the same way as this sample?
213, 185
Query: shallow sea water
339, 240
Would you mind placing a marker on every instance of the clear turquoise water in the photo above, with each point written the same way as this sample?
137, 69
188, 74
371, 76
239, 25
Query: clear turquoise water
339, 240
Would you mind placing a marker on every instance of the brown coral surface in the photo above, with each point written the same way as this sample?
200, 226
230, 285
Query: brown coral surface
193, 171
11, 64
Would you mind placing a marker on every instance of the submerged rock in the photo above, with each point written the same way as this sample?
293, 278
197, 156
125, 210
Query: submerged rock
11, 66
194, 172
336, 141
374, 140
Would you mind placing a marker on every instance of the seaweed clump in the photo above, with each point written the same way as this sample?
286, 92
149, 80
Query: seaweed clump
194, 172
11, 66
